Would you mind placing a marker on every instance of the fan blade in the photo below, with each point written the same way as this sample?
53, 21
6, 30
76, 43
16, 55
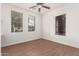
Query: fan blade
46, 7
33, 6
39, 9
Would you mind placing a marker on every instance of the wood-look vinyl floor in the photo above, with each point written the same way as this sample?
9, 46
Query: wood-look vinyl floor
40, 47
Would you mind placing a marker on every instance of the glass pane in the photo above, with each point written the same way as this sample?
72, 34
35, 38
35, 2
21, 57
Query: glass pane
31, 23
16, 21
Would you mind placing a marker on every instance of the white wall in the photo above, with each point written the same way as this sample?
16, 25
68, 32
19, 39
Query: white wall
45, 25
0, 28
9, 38
72, 25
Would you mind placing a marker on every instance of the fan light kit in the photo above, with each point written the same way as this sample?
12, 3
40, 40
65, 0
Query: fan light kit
39, 6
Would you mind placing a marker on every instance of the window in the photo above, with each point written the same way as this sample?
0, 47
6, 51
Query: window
60, 23
16, 21
31, 23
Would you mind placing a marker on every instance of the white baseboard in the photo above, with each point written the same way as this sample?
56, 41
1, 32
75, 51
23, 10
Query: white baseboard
47, 38
18, 42
61, 42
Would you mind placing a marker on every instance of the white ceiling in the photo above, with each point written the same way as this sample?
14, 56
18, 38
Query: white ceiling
27, 5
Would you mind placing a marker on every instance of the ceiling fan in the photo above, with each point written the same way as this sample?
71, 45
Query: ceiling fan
39, 5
